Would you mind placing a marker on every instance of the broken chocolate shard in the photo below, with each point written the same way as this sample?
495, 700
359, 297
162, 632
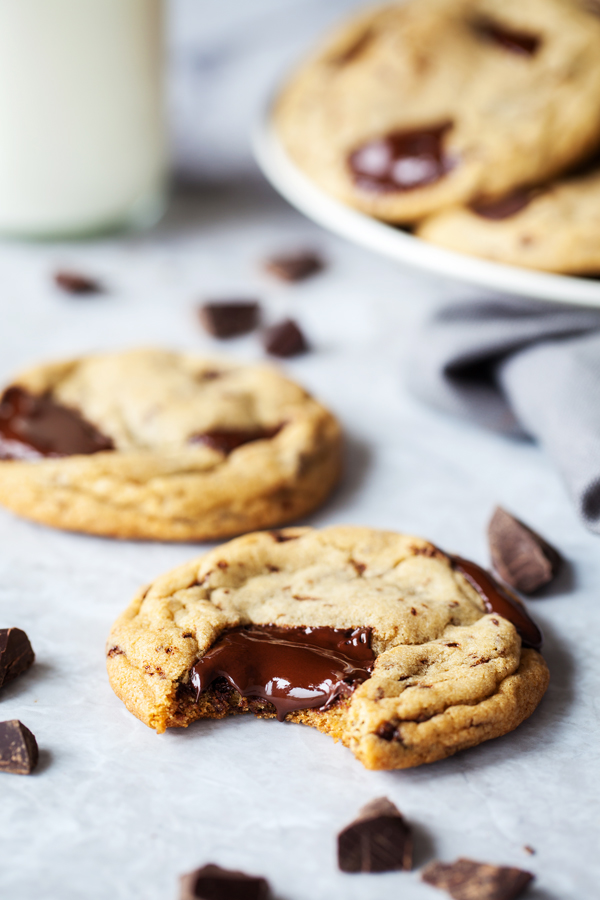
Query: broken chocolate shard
289, 668
214, 883
16, 654
517, 42
520, 556
230, 318
285, 339
402, 160
77, 283
35, 425
295, 266
379, 840
499, 599
18, 748
504, 207
226, 441
466, 879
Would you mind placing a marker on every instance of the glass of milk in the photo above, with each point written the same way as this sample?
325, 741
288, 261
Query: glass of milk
82, 136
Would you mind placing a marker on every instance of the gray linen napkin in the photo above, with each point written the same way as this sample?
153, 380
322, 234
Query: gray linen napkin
521, 367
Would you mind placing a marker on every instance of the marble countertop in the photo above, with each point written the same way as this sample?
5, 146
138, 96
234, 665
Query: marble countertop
115, 811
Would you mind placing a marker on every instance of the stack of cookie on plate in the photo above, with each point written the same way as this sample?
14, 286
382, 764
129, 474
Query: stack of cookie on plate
475, 123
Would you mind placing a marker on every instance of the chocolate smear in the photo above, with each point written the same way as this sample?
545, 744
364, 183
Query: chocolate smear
295, 266
517, 42
214, 883
77, 283
379, 840
291, 668
466, 879
230, 318
226, 440
498, 599
505, 207
285, 339
520, 556
16, 654
402, 160
34, 426
18, 748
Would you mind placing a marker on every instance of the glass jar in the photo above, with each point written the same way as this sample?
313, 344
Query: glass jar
82, 135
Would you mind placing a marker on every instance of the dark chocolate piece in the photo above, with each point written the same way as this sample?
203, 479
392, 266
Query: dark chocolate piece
379, 840
505, 207
76, 283
33, 426
402, 160
285, 339
520, 556
295, 266
518, 42
226, 441
18, 748
214, 883
230, 318
466, 879
16, 654
500, 600
291, 668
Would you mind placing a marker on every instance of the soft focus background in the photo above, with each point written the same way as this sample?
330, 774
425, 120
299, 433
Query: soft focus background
115, 811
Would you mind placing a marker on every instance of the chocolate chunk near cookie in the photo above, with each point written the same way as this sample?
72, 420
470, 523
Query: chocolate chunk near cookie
402, 160
285, 339
518, 42
520, 556
18, 748
505, 207
469, 880
16, 654
34, 426
294, 266
214, 883
379, 840
77, 283
229, 318
226, 441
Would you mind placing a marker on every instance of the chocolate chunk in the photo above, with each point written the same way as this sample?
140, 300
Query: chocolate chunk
18, 748
33, 426
521, 557
285, 339
294, 266
230, 318
517, 42
291, 668
214, 883
76, 283
379, 840
16, 654
469, 880
402, 160
225, 441
500, 600
505, 207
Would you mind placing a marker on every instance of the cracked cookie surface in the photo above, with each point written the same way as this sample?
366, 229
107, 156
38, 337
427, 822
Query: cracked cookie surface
447, 675
438, 102
202, 448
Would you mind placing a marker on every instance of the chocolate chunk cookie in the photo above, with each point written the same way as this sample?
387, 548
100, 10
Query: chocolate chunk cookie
555, 228
155, 444
378, 639
415, 107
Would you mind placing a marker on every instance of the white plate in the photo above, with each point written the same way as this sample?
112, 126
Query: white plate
302, 193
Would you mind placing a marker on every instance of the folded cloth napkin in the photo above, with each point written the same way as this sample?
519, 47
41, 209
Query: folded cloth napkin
521, 367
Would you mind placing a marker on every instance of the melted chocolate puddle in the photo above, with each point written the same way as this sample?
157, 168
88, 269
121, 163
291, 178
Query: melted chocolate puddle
517, 42
505, 207
402, 160
225, 441
497, 599
292, 668
34, 426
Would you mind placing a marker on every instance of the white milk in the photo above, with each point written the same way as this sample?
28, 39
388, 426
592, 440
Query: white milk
82, 145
